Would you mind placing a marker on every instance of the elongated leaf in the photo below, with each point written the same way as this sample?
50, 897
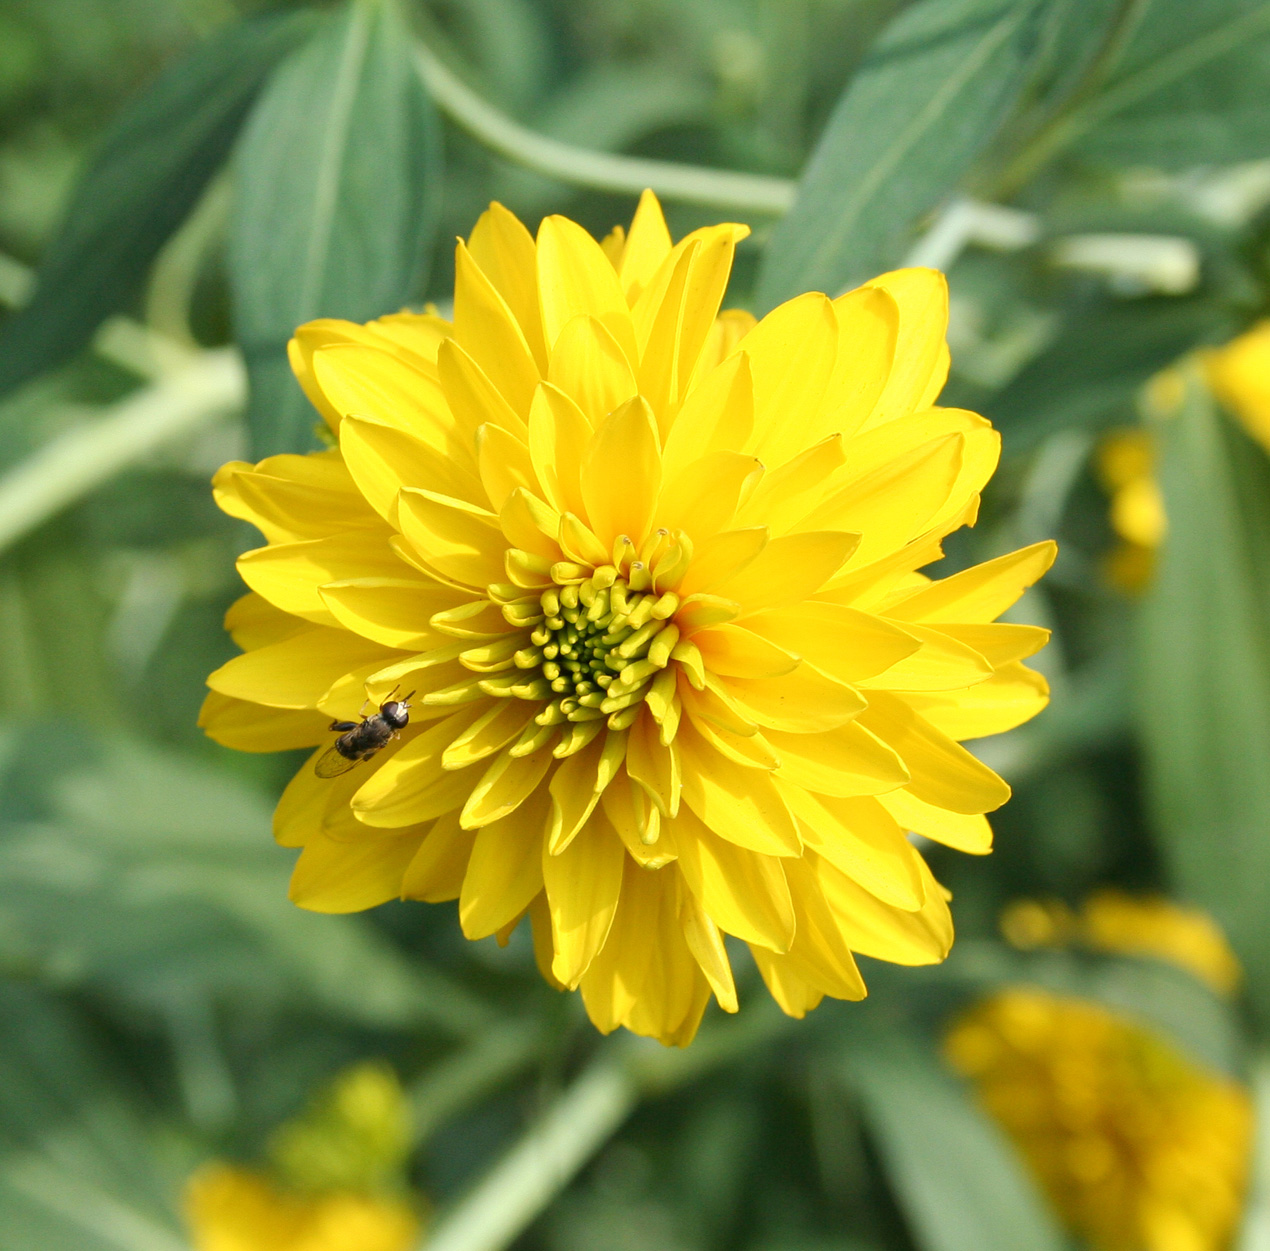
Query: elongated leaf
957, 1179
338, 180
77, 1172
150, 170
919, 110
1205, 678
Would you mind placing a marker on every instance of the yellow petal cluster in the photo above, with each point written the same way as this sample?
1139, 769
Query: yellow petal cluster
1138, 1148
1114, 922
652, 572
1239, 374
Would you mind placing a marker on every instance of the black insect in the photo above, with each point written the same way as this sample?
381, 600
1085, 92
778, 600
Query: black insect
360, 740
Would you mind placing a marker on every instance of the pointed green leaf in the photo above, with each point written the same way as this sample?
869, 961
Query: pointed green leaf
338, 179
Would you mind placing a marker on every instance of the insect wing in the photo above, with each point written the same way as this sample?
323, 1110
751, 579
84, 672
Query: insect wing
331, 763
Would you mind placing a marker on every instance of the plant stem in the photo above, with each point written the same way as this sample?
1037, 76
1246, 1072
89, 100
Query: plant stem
210, 387
605, 171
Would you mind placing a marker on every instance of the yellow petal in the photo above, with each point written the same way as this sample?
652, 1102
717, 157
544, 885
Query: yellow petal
391, 611
658, 318
819, 953
941, 663
505, 870
735, 652
487, 330
247, 726
730, 327
968, 833
862, 839
289, 575
558, 435
456, 538
507, 256
717, 415
297, 672
647, 246
530, 525
589, 367
616, 976
741, 805
631, 813
804, 701
1000, 642
703, 498
505, 785
792, 992
981, 593
790, 568
868, 332
943, 773
654, 766
844, 762
786, 494
705, 941
723, 557
492, 730
847, 644
621, 473
333, 876
576, 279
582, 884
575, 791
503, 463
252, 621
435, 875
473, 398
742, 892
921, 360
1013, 695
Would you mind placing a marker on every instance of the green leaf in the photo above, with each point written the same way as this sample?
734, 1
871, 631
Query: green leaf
1205, 677
150, 170
338, 182
921, 108
957, 1179
77, 1169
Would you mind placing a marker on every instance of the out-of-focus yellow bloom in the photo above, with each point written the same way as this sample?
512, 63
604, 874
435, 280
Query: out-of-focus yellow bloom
1120, 924
236, 1209
1126, 468
1239, 374
1138, 1148
650, 577
335, 1183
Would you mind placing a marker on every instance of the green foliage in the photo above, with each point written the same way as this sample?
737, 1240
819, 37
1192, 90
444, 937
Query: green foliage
224, 170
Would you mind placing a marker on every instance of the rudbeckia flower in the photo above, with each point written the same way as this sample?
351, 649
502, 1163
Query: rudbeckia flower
648, 577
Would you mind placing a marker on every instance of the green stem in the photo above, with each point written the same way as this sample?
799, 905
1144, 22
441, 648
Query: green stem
605, 171
73, 464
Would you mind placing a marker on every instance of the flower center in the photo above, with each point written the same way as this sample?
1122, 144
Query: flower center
601, 643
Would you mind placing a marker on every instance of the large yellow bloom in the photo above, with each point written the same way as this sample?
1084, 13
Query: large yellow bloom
1138, 1148
652, 572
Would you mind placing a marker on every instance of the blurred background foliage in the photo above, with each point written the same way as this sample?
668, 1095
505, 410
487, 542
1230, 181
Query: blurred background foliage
182, 183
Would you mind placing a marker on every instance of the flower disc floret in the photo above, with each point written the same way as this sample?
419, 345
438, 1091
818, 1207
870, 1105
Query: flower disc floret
652, 572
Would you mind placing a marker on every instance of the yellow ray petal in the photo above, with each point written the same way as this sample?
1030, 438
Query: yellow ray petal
717, 415
589, 367
735, 652
868, 333
787, 494
873, 928
744, 893
844, 762
621, 473
558, 435
582, 884
1013, 695
297, 672
247, 726
458, 539
492, 730
789, 569
741, 805
417, 335
575, 279
703, 498
487, 330
616, 976
705, 941
1000, 642
503, 462
847, 644
804, 701
921, 357
435, 875
730, 327
723, 557
647, 246
288, 575
507, 256
505, 870
473, 398
818, 952
658, 319
943, 772
252, 621
333, 876
654, 766
978, 594
391, 611
862, 839
674, 993
791, 990
941, 663
968, 833
575, 791
530, 525
631, 813
505, 785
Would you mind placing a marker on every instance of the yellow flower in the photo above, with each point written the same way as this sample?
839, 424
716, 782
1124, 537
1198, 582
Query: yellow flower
1126, 466
335, 1181
1111, 921
1138, 1148
236, 1209
649, 576
1239, 374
